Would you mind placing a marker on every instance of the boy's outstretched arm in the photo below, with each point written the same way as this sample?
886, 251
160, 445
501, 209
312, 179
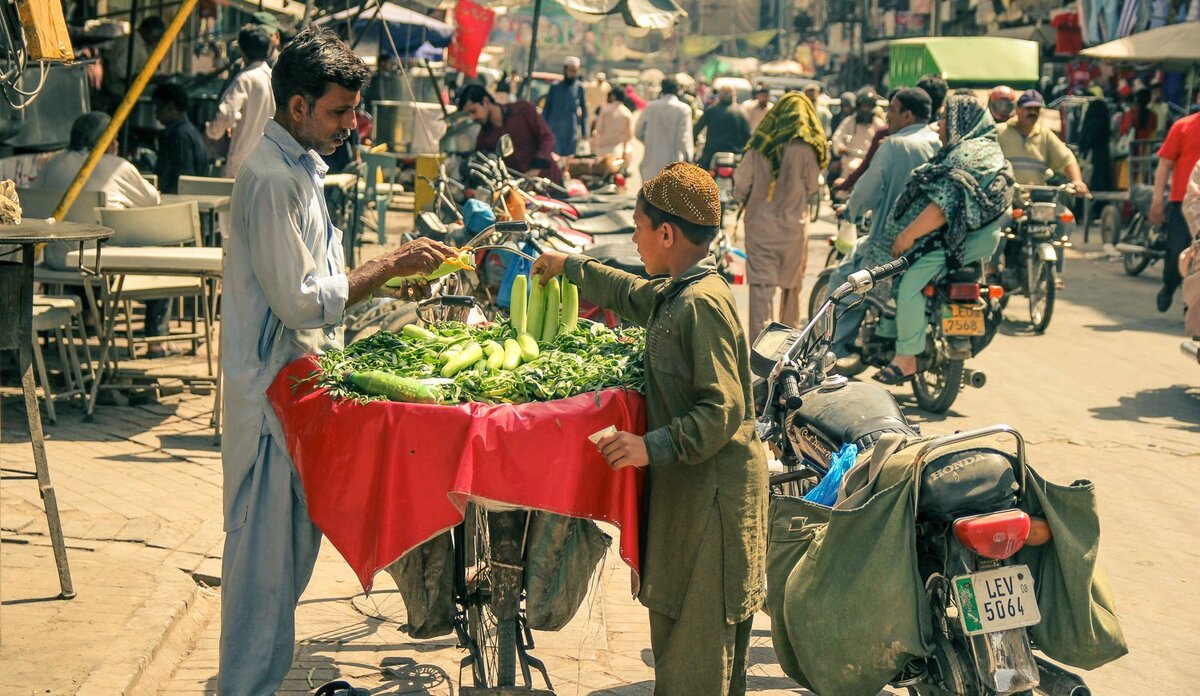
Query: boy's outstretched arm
624, 293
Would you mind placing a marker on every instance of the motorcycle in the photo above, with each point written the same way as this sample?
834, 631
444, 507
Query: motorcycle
721, 169
1032, 248
965, 533
963, 313
1142, 243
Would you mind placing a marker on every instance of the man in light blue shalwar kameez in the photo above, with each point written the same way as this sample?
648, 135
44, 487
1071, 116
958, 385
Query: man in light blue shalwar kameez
911, 144
286, 291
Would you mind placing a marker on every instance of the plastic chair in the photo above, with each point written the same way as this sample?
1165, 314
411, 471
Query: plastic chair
165, 225
62, 317
205, 186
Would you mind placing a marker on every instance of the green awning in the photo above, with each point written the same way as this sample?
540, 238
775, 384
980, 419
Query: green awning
983, 61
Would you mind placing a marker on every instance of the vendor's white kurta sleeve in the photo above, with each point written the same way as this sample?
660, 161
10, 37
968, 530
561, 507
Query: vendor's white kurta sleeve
285, 268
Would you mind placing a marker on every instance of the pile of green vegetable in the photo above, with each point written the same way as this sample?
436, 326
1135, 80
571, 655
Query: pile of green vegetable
452, 363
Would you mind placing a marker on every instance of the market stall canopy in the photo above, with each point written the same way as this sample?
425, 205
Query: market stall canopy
978, 61
1043, 34
283, 8
410, 30
784, 67
1175, 44
659, 15
698, 45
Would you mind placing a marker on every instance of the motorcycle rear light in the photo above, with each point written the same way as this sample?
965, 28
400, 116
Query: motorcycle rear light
928, 291
997, 535
1018, 213
995, 292
1067, 216
725, 172
964, 291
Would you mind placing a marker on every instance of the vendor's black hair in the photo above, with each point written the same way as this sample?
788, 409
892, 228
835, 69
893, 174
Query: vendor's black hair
700, 235
916, 101
936, 88
312, 60
255, 42
174, 94
86, 130
473, 94
669, 86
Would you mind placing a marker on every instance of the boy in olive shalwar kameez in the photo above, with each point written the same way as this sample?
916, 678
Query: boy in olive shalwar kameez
703, 564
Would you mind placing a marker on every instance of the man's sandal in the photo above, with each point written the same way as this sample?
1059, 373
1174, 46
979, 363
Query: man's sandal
891, 376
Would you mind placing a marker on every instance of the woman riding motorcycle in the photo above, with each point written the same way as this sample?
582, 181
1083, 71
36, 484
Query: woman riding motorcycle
949, 216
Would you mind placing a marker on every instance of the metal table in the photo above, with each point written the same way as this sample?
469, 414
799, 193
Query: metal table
16, 299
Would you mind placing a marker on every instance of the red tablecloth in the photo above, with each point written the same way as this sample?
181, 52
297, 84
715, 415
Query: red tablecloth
381, 478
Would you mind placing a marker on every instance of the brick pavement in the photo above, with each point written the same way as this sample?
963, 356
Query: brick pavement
139, 491
604, 651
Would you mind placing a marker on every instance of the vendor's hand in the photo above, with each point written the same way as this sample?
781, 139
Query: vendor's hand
534, 173
1156, 212
624, 449
418, 257
549, 265
1081, 189
903, 243
411, 292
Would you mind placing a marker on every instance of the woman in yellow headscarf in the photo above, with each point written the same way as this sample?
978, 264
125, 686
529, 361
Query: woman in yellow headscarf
777, 176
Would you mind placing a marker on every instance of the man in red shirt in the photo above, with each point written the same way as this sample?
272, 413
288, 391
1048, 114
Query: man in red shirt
533, 143
1176, 158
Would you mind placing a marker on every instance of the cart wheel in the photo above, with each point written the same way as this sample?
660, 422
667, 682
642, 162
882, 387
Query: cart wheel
1110, 224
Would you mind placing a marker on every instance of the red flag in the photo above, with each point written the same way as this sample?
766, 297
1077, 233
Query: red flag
473, 27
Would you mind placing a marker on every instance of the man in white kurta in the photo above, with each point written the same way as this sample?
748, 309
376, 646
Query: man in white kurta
248, 102
285, 294
665, 129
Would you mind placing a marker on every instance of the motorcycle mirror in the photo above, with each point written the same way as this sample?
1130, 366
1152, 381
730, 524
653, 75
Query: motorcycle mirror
504, 148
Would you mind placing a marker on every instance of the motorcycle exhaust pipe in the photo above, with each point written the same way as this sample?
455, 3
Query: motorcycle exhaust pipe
1056, 681
975, 378
1127, 248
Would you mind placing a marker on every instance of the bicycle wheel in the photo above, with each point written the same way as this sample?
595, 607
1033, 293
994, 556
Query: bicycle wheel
1137, 234
478, 581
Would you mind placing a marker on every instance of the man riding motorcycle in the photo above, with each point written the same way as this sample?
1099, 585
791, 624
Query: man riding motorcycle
853, 136
1033, 149
911, 144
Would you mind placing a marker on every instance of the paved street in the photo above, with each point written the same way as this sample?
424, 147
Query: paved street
1103, 395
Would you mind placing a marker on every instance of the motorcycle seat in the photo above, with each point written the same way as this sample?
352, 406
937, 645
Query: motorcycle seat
857, 413
597, 208
617, 222
620, 255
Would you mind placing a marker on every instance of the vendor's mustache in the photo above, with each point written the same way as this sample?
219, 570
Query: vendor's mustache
343, 134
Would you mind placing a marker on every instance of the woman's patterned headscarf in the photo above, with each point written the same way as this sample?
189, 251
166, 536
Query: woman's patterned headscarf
969, 179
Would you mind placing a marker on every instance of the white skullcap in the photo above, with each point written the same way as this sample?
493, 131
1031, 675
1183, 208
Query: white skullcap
572, 62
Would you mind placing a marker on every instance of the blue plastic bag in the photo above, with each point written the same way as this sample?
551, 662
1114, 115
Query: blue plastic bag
826, 492
517, 265
477, 216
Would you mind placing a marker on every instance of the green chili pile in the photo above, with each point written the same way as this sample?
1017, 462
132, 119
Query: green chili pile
451, 363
